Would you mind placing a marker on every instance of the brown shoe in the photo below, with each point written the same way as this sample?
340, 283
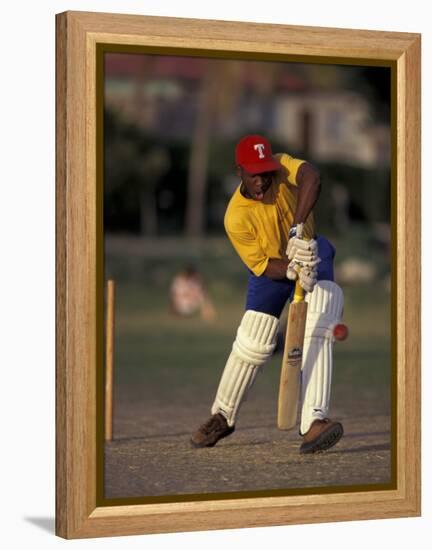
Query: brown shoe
322, 435
211, 431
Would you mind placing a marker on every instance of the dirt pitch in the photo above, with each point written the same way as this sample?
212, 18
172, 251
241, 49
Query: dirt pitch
166, 375
155, 458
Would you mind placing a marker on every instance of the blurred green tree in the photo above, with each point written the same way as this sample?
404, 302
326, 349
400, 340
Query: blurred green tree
135, 167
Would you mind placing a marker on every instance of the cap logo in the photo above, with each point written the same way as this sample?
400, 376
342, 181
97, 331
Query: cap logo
260, 148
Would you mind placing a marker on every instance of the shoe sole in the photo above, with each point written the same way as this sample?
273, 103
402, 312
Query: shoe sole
213, 443
325, 440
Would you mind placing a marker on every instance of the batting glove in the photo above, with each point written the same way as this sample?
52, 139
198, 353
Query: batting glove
308, 278
301, 251
303, 256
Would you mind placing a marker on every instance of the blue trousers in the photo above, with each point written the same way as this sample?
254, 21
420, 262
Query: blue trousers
270, 296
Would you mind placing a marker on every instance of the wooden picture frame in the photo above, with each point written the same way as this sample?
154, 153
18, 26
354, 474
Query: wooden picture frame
79, 296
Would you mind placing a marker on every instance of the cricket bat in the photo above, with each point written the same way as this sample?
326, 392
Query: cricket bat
289, 388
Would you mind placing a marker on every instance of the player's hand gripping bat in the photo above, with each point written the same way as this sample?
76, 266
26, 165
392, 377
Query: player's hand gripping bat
289, 387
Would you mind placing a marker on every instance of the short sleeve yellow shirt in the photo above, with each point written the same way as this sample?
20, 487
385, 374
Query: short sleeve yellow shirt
258, 230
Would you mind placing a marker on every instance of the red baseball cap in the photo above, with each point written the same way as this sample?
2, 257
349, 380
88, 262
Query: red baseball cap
254, 154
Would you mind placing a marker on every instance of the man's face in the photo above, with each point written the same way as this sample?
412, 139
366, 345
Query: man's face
255, 185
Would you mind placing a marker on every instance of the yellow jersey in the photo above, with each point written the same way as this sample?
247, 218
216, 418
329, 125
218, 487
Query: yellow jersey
258, 230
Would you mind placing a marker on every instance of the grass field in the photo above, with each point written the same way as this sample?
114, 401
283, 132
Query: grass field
160, 357
167, 371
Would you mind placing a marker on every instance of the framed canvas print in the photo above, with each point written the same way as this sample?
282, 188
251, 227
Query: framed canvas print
238, 275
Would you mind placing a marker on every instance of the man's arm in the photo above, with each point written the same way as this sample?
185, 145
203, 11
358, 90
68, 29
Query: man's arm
308, 182
276, 269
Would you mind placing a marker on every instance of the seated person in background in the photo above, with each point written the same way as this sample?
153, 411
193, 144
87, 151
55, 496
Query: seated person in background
188, 295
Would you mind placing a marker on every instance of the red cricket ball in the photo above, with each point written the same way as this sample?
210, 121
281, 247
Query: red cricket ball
340, 332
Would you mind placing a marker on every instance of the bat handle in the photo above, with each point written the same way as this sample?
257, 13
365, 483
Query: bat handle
298, 293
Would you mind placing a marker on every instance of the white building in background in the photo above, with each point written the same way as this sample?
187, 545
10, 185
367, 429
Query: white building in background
333, 127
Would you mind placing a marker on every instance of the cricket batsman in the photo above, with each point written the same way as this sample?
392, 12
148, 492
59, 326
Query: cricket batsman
269, 221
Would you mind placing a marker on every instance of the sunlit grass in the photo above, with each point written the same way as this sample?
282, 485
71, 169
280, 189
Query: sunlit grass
167, 356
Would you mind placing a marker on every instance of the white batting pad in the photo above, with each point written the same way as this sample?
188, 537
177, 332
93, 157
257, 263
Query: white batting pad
325, 308
254, 344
